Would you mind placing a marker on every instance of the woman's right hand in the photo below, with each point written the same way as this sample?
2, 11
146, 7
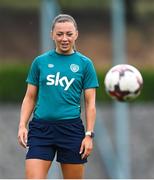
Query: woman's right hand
22, 136
26, 112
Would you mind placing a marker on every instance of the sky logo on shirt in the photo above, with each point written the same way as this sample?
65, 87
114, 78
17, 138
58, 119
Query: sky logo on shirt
55, 80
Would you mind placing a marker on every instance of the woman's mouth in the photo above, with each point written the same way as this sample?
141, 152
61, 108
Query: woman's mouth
65, 45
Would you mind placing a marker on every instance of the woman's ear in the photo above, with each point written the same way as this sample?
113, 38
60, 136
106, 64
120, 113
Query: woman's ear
77, 33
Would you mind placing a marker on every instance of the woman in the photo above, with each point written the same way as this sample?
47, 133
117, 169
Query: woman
55, 82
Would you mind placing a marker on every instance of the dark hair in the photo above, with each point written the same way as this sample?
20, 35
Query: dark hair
61, 18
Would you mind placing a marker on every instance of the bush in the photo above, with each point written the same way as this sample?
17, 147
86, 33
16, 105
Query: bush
148, 86
12, 79
13, 85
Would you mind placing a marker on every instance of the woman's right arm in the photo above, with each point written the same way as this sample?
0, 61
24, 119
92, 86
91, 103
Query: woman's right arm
26, 111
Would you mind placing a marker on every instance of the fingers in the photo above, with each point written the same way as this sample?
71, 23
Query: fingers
86, 153
81, 148
86, 148
22, 138
23, 141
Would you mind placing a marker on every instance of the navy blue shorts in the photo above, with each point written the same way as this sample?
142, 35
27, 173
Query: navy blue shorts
62, 138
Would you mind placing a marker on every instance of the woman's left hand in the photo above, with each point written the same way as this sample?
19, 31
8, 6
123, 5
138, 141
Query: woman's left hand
86, 147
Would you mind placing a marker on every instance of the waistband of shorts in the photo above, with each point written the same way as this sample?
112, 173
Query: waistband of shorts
43, 121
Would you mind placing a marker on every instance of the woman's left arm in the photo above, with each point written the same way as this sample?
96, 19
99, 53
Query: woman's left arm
90, 115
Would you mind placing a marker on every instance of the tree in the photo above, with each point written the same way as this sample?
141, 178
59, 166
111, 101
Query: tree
130, 13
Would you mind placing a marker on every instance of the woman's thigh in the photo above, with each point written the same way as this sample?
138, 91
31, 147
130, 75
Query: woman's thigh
73, 171
37, 168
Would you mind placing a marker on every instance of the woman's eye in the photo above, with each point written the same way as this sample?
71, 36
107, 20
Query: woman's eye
70, 34
59, 34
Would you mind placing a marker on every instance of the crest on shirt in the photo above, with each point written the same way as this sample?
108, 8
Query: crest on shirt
74, 67
50, 65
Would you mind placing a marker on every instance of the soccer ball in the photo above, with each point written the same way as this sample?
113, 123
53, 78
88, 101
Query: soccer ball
123, 82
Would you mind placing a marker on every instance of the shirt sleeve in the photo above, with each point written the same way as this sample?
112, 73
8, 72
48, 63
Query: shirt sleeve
33, 75
90, 77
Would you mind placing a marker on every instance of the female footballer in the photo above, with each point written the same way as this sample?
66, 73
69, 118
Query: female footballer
56, 81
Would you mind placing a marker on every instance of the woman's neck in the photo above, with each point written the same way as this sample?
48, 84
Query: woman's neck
65, 52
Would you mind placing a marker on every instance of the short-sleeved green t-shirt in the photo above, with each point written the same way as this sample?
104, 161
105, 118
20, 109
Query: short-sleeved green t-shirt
60, 80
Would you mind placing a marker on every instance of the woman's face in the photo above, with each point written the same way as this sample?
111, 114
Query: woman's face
64, 34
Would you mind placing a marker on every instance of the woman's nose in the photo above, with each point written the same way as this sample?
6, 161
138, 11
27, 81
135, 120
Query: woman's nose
64, 37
